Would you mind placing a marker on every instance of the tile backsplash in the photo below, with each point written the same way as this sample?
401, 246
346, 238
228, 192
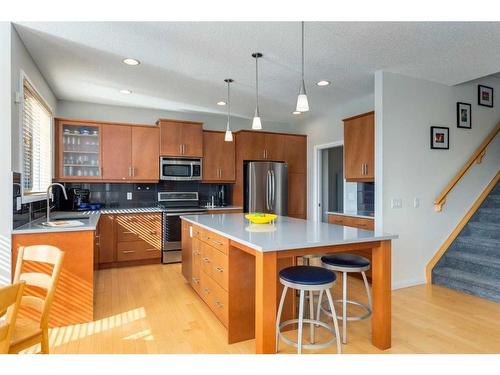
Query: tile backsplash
27, 211
114, 195
366, 196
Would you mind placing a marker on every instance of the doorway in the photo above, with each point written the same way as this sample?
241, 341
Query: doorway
329, 180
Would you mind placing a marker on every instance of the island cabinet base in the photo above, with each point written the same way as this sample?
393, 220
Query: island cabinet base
74, 297
224, 276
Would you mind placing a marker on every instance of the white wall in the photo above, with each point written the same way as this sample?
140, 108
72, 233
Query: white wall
21, 61
327, 129
407, 168
102, 112
5, 157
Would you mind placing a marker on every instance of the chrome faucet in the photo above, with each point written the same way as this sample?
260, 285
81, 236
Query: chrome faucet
49, 194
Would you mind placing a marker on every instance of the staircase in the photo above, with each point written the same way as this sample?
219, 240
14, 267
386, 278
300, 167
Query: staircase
472, 262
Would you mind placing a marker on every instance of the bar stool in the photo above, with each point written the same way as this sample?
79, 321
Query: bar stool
347, 263
307, 278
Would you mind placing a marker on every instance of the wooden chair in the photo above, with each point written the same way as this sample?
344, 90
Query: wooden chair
28, 332
10, 299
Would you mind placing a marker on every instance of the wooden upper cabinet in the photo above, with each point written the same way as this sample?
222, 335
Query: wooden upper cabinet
274, 146
359, 148
181, 138
251, 145
296, 153
116, 152
145, 153
218, 157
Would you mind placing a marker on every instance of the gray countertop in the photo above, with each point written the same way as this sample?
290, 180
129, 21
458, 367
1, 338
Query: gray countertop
360, 214
221, 208
285, 234
90, 223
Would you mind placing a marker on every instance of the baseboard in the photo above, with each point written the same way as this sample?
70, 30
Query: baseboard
407, 283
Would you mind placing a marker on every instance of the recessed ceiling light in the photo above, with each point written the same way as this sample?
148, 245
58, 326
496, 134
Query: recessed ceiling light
130, 61
221, 103
125, 91
323, 83
297, 112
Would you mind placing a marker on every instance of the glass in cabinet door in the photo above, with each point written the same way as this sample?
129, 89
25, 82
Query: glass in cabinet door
81, 151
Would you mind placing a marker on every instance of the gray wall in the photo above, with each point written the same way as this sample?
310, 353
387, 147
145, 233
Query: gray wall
406, 167
5, 158
103, 112
336, 179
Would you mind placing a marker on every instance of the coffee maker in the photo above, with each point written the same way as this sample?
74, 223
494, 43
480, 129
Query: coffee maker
78, 199
222, 195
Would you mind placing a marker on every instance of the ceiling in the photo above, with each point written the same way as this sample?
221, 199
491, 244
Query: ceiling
183, 64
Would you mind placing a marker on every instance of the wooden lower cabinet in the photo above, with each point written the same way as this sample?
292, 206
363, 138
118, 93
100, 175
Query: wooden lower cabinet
129, 239
208, 269
357, 222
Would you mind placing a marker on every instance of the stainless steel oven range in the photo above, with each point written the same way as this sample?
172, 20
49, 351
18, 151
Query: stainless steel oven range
175, 204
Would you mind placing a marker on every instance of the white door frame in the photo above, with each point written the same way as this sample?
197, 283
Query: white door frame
318, 159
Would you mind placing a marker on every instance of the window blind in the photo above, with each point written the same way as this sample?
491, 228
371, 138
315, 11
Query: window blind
37, 145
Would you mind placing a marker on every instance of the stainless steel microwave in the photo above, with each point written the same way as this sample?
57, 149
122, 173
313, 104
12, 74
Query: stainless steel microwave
180, 169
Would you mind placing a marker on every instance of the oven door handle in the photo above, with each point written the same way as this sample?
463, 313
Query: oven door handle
192, 170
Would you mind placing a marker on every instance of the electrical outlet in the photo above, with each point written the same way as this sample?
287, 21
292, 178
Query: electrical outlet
129, 196
396, 203
416, 202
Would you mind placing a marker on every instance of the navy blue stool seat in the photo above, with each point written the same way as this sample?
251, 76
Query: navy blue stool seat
307, 275
346, 260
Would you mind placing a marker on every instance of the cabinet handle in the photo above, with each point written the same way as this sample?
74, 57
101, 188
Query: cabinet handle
128, 251
133, 171
151, 249
195, 280
206, 290
180, 149
219, 269
217, 242
206, 260
219, 304
366, 169
183, 149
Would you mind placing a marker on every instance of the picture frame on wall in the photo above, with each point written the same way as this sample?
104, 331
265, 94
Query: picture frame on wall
485, 96
440, 138
464, 115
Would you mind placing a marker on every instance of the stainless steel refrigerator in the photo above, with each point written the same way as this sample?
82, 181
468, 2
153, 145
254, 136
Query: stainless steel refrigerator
266, 187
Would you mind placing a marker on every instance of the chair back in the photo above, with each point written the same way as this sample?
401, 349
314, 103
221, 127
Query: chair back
41, 254
10, 299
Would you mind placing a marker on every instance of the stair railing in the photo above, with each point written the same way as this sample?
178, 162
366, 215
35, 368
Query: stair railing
477, 157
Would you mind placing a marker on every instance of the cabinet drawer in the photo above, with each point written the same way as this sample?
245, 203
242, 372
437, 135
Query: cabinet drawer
196, 266
206, 288
195, 231
219, 268
219, 302
357, 222
136, 250
221, 243
206, 258
146, 227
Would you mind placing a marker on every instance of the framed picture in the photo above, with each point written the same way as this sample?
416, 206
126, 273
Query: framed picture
464, 115
485, 96
440, 138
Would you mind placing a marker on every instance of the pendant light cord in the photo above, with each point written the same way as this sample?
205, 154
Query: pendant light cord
257, 80
228, 105
302, 50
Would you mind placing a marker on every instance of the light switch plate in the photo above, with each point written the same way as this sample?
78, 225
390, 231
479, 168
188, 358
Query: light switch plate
416, 202
396, 203
129, 196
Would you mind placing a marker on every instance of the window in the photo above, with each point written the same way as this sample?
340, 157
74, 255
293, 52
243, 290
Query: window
36, 142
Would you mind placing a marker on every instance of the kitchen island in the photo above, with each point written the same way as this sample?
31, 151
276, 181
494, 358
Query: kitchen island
234, 266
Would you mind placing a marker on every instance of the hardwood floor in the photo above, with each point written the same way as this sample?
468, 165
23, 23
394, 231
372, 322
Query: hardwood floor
151, 309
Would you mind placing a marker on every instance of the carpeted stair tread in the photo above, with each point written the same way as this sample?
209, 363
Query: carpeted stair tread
467, 282
475, 244
476, 263
482, 230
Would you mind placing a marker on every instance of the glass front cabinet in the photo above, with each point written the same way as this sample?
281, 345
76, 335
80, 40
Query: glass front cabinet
79, 151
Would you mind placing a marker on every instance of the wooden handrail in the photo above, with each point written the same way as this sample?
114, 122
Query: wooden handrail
477, 157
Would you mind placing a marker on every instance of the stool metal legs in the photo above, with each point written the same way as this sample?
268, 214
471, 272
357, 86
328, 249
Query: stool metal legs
312, 322
344, 307
368, 292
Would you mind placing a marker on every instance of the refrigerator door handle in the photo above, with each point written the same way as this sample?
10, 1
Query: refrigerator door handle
268, 190
273, 190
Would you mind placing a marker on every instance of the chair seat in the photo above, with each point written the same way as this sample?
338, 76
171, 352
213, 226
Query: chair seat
307, 275
345, 260
25, 330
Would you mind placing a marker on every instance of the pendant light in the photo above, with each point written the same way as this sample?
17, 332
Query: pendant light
228, 137
256, 123
302, 103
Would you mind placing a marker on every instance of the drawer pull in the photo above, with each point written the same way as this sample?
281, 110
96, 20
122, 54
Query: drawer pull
128, 251
206, 260
196, 252
151, 250
219, 269
217, 242
195, 280
153, 232
128, 233
206, 290
219, 304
